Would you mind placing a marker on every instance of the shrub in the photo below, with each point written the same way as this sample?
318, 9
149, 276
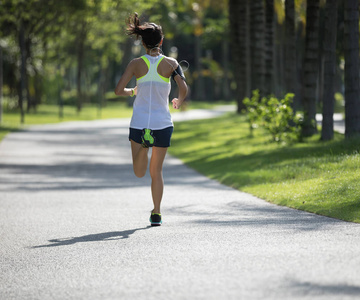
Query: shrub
275, 116
253, 110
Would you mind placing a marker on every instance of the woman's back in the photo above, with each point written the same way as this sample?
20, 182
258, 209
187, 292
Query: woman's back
151, 106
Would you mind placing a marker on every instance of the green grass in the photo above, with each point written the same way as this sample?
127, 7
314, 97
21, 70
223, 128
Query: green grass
46, 114
315, 176
50, 114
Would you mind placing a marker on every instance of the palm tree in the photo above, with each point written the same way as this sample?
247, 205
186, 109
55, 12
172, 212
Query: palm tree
290, 50
240, 42
1, 82
269, 46
23, 75
352, 93
327, 131
257, 45
311, 67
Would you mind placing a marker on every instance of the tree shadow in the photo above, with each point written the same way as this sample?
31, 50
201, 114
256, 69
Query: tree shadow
238, 214
316, 289
98, 237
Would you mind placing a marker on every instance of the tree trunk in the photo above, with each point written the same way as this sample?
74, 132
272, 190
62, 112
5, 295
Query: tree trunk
257, 41
22, 71
352, 92
225, 62
199, 82
80, 66
101, 87
269, 46
1, 84
27, 59
328, 101
290, 49
240, 37
311, 67
60, 87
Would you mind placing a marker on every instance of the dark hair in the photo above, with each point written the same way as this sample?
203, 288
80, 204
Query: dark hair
150, 33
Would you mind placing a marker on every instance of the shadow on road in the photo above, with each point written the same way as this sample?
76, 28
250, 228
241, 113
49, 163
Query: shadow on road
316, 289
98, 237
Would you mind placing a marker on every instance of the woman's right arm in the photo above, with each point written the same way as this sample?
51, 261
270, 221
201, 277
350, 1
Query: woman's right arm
121, 89
183, 89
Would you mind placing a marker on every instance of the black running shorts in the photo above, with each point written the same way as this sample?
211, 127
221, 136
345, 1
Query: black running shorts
162, 136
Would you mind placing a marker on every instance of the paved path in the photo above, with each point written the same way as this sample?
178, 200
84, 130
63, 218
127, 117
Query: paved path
74, 225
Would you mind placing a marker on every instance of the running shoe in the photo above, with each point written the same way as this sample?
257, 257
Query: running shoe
155, 219
147, 138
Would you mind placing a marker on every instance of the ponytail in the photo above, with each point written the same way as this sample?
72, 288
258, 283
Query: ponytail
150, 33
133, 26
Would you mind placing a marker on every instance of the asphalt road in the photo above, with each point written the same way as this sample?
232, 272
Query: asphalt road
74, 225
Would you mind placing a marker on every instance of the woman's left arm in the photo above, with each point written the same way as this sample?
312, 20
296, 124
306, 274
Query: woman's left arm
121, 89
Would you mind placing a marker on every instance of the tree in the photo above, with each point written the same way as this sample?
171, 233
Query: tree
80, 49
269, 46
257, 45
239, 16
1, 82
290, 50
31, 24
23, 79
327, 131
311, 67
352, 93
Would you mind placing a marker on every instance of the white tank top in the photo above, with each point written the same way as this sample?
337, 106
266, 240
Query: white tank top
151, 105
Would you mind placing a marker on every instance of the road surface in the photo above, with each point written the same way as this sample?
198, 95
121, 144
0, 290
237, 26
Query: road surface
74, 225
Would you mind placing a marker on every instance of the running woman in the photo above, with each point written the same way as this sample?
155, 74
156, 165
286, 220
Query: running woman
151, 124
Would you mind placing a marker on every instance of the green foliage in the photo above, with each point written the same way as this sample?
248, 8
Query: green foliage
275, 116
253, 110
82, 46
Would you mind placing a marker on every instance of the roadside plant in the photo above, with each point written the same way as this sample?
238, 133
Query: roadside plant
253, 110
275, 116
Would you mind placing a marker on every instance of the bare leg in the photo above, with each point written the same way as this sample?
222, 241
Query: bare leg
140, 158
157, 182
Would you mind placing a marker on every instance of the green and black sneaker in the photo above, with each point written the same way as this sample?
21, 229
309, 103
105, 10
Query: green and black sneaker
155, 219
147, 138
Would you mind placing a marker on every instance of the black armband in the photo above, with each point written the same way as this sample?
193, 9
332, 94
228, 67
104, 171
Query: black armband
179, 72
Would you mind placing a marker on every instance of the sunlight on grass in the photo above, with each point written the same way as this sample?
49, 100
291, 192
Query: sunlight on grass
315, 176
50, 114
47, 114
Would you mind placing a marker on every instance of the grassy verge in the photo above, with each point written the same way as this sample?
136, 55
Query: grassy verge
315, 176
47, 114
50, 114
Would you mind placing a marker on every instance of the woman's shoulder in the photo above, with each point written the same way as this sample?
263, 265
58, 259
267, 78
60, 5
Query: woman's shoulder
136, 60
135, 63
172, 61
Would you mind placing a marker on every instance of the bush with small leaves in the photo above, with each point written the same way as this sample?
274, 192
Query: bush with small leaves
275, 116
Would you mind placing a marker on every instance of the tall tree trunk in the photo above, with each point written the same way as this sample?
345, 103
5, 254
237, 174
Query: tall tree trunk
269, 46
1, 84
101, 86
257, 41
27, 59
80, 66
352, 92
22, 71
240, 36
199, 82
311, 67
60, 87
225, 93
327, 131
290, 50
